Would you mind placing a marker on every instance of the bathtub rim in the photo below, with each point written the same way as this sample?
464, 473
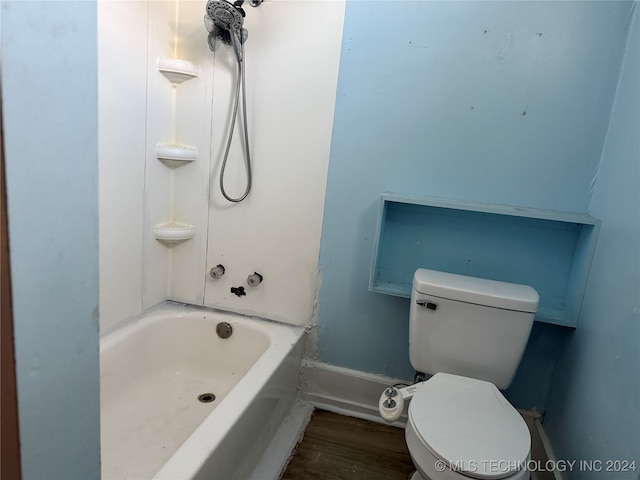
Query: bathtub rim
127, 327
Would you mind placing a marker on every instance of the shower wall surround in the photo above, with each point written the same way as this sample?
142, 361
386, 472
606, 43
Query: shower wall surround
135, 112
292, 56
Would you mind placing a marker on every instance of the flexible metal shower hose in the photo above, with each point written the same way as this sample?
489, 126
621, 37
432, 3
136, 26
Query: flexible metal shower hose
238, 47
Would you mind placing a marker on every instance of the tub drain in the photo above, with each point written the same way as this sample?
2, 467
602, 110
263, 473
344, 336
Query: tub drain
206, 397
224, 329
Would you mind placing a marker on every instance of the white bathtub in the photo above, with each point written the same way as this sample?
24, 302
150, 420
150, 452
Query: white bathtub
152, 371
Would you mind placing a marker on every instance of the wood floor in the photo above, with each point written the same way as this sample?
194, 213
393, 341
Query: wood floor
337, 447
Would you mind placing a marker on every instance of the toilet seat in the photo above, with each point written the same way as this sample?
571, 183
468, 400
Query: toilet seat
470, 426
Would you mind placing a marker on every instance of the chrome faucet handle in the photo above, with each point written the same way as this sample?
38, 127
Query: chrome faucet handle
254, 279
217, 271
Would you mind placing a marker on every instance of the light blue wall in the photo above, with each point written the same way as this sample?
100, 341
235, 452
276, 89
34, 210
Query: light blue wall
498, 102
594, 407
49, 83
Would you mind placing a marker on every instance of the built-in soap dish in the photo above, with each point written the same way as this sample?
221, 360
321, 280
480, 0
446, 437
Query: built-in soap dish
172, 233
174, 156
176, 70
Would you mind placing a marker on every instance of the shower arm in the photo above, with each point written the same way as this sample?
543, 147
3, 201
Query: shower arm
253, 3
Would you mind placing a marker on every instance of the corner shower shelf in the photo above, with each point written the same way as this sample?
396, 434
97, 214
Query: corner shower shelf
549, 250
174, 156
176, 70
172, 233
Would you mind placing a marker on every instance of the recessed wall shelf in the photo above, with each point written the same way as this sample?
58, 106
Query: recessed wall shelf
549, 250
174, 156
176, 70
173, 232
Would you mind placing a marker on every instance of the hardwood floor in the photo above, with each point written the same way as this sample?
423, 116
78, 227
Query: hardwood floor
337, 447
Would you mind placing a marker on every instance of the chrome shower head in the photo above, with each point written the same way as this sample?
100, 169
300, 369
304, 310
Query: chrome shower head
224, 23
225, 15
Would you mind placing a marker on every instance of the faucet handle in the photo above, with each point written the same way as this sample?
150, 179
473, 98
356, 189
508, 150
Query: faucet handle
255, 279
217, 271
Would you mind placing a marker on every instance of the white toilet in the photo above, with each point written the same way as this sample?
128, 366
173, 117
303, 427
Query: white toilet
469, 333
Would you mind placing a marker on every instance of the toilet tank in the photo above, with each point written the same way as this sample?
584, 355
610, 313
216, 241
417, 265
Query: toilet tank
469, 326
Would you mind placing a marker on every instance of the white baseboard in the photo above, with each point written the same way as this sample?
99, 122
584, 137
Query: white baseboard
546, 443
345, 391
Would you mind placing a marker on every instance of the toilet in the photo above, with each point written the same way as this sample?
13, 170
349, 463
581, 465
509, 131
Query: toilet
469, 334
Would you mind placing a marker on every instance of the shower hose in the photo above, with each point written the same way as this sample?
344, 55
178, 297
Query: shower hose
238, 47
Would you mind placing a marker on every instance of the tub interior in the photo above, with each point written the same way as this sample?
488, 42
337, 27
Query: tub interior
151, 376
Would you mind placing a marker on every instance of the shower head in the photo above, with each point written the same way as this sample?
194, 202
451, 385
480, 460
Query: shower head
219, 35
225, 15
224, 24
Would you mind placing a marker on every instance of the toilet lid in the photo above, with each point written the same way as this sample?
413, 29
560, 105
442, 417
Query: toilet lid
469, 425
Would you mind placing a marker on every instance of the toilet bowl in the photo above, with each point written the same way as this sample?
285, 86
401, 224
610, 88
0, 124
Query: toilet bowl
460, 428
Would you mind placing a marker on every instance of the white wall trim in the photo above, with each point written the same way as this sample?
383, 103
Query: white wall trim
546, 443
345, 391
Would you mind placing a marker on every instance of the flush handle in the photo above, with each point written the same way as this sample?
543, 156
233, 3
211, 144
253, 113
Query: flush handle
429, 305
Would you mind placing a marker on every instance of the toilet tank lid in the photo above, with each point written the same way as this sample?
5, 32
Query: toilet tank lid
480, 291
